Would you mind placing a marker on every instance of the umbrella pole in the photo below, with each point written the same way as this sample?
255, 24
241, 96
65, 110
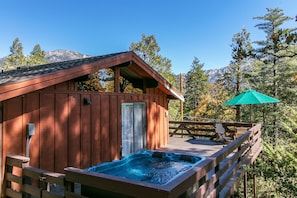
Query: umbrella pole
237, 113
251, 113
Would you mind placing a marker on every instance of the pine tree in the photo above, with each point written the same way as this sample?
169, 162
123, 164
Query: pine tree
148, 49
275, 51
274, 74
274, 69
16, 58
277, 166
234, 78
196, 85
37, 56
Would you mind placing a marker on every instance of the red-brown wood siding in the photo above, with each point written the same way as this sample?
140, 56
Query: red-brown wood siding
105, 122
47, 132
32, 115
85, 131
61, 131
74, 130
71, 133
13, 133
114, 118
161, 117
96, 123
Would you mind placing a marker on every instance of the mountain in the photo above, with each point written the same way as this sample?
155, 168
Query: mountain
214, 73
63, 55
2, 61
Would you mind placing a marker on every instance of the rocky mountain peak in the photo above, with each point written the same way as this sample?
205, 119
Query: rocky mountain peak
63, 55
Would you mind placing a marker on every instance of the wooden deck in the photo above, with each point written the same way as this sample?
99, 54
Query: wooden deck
199, 146
216, 176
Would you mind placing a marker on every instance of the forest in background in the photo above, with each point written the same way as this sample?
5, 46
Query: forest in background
268, 66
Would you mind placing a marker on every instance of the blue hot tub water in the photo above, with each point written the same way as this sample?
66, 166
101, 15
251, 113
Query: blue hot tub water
149, 166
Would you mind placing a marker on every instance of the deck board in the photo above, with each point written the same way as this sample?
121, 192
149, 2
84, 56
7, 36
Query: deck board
199, 146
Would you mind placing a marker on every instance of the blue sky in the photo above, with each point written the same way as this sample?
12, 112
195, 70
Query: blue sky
183, 29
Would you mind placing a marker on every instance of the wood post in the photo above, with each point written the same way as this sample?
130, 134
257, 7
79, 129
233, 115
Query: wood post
117, 80
13, 169
254, 181
245, 184
181, 102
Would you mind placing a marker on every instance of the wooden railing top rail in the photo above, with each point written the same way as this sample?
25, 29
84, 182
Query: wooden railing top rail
206, 129
17, 161
236, 124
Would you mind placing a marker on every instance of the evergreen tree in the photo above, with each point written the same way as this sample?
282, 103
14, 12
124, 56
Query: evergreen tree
274, 73
277, 165
274, 69
234, 78
148, 49
196, 85
37, 56
16, 58
275, 51
241, 50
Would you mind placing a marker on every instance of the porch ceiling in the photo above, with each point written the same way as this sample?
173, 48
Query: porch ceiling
137, 76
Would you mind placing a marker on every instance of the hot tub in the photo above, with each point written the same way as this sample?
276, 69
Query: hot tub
157, 168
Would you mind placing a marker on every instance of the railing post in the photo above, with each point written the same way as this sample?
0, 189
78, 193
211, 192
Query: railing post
69, 186
182, 126
245, 192
217, 168
245, 184
254, 181
11, 162
254, 175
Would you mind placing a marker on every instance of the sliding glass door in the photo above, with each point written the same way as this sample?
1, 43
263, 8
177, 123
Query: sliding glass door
133, 127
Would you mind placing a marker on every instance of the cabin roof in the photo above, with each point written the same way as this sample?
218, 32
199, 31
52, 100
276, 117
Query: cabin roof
28, 72
31, 78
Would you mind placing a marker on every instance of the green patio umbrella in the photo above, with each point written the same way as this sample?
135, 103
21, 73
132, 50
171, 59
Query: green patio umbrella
250, 97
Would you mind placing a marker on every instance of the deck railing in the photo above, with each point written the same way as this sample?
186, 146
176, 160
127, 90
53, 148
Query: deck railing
205, 129
216, 176
22, 180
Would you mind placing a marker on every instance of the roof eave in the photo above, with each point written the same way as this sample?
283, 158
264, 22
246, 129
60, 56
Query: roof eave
164, 85
19, 88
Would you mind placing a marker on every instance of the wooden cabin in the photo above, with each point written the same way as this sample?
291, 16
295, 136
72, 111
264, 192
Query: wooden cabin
46, 117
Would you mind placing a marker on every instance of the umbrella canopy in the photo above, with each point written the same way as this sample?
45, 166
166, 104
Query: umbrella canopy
250, 97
